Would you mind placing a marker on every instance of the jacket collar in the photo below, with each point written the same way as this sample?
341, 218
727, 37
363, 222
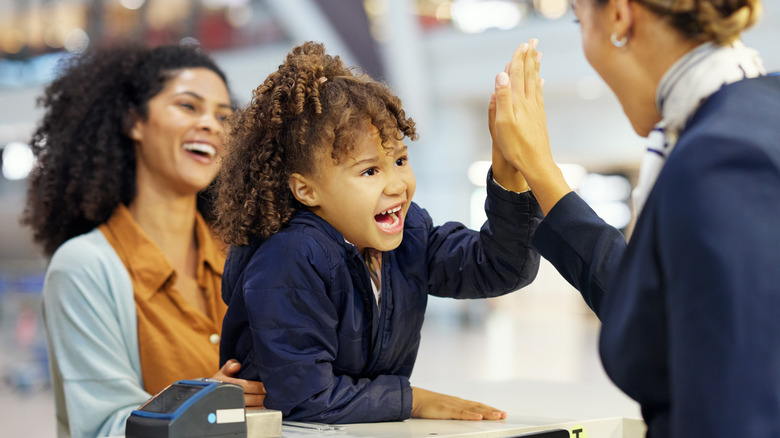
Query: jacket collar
305, 217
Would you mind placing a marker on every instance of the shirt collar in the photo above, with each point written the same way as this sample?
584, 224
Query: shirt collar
144, 259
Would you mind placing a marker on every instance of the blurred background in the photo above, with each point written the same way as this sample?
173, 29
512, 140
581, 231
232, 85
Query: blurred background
441, 57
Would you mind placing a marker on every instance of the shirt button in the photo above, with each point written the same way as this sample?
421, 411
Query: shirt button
214, 338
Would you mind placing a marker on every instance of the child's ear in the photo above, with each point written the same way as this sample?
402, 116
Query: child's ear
302, 189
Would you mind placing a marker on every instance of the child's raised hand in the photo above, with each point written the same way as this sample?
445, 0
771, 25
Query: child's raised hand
504, 173
432, 405
519, 126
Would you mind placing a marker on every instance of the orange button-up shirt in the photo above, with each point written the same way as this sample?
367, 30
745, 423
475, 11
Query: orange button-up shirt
176, 340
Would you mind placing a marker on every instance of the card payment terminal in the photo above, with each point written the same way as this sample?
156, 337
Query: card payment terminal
191, 408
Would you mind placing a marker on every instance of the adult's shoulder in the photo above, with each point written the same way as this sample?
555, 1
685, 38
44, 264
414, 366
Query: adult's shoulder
728, 154
745, 110
739, 120
764, 88
748, 89
86, 251
87, 259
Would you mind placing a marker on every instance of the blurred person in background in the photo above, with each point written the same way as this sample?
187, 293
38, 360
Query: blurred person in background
126, 151
690, 305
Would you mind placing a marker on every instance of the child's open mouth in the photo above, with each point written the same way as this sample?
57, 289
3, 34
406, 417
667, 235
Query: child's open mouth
390, 220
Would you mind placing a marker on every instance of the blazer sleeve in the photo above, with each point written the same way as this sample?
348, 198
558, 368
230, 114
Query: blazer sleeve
721, 251
463, 263
294, 324
89, 315
584, 249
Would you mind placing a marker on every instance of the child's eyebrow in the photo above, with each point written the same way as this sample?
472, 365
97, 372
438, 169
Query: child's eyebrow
371, 159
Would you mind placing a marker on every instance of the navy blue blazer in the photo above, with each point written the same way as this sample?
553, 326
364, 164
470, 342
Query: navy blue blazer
691, 306
303, 319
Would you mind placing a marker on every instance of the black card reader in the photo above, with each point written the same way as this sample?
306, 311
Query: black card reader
190, 409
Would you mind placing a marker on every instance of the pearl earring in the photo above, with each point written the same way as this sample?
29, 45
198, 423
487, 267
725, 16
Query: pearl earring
618, 42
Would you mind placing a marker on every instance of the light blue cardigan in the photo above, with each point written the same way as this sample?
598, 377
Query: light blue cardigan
90, 318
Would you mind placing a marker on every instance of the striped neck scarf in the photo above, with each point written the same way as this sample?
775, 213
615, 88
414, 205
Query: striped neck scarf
690, 81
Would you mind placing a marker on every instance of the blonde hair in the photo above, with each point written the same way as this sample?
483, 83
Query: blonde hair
721, 21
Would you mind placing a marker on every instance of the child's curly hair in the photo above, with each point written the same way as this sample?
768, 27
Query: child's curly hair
312, 103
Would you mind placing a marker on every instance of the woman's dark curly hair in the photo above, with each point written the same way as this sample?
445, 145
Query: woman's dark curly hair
311, 104
86, 162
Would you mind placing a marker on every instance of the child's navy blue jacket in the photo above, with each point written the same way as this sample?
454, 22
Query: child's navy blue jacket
303, 319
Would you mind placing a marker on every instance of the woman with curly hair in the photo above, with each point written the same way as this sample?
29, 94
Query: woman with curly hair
331, 263
127, 147
690, 304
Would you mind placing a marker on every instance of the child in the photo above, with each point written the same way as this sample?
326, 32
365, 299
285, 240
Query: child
331, 262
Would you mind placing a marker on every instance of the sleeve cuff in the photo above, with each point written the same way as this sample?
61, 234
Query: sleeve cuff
406, 398
497, 183
494, 189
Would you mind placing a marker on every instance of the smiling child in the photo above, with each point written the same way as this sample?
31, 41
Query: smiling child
332, 263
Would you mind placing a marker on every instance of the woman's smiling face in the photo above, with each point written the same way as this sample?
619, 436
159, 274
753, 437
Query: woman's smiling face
179, 142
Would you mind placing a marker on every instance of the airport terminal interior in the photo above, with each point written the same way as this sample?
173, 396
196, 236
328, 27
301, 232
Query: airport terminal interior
533, 352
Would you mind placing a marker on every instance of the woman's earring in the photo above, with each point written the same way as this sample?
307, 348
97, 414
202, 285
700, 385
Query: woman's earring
618, 42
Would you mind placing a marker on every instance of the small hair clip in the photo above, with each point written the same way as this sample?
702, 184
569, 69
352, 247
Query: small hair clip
322, 80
